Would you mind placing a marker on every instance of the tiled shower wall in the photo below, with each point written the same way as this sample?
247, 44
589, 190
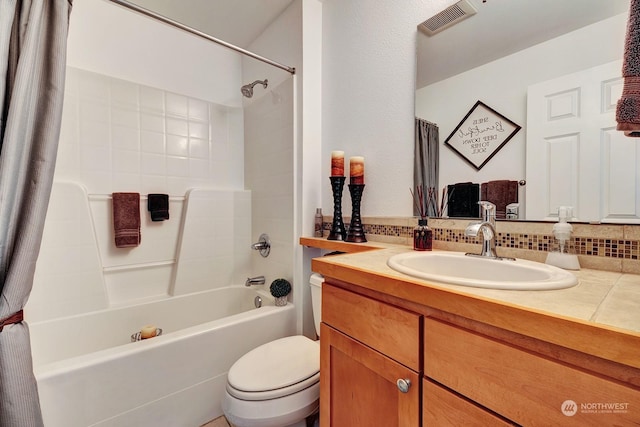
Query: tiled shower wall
120, 136
269, 174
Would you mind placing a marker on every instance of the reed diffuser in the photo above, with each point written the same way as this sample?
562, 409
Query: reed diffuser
422, 234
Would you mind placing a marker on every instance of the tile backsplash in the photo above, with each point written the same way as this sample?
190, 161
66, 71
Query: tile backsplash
612, 247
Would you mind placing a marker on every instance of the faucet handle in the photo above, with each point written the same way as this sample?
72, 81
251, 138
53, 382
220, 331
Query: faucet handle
487, 211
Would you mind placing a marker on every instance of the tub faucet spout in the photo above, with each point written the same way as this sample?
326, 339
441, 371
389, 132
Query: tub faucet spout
258, 280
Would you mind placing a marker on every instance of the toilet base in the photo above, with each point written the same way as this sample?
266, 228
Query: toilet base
287, 411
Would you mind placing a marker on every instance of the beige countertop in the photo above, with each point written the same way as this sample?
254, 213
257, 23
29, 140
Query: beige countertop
604, 305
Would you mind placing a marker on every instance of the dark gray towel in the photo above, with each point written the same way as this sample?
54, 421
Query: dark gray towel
628, 108
158, 206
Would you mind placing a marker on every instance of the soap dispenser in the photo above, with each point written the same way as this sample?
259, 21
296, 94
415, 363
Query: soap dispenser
561, 254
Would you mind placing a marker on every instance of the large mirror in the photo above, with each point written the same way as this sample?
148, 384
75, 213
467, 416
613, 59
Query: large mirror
553, 68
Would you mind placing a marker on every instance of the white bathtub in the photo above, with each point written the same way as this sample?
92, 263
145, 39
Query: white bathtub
90, 374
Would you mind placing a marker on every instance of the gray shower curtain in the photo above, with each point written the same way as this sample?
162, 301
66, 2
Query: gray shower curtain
425, 168
33, 42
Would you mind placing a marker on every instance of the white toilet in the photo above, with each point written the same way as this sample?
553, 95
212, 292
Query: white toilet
277, 384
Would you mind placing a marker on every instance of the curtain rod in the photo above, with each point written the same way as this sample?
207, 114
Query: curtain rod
198, 33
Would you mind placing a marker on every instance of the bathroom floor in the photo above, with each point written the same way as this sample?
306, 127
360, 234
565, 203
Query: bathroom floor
218, 422
222, 422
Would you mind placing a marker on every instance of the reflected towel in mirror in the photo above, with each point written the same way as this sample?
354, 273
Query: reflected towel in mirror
501, 193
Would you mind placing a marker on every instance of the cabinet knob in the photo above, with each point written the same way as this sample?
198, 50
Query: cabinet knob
403, 385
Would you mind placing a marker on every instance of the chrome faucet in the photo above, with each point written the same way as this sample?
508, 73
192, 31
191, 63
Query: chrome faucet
263, 245
258, 280
488, 228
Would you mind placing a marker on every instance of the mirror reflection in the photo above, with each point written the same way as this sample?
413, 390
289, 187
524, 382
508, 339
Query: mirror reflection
552, 68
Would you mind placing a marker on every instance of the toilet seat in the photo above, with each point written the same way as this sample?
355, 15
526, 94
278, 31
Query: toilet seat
276, 369
273, 394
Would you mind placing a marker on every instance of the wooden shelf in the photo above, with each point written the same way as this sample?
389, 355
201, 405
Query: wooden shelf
336, 245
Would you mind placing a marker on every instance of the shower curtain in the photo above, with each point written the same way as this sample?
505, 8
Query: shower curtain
425, 168
33, 39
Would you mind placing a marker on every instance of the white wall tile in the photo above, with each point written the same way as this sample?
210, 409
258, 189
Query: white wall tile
94, 133
94, 110
125, 138
95, 158
97, 182
152, 142
126, 161
125, 116
151, 99
176, 105
153, 164
125, 182
177, 126
124, 93
198, 168
153, 184
92, 85
198, 109
177, 145
199, 148
177, 166
152, 122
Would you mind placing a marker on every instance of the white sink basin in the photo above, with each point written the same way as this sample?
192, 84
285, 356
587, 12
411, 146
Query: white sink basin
458, 269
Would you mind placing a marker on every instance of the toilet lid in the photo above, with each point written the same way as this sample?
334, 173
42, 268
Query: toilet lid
275, 365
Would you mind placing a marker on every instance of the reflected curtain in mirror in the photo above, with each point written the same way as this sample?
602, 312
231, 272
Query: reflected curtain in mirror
425, 168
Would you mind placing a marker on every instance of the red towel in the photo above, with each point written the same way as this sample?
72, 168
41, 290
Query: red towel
126, 219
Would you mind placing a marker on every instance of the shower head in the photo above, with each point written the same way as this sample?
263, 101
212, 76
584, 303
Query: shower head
247, 90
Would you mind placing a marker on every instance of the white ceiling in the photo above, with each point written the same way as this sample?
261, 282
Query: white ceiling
503, 27
238, 22
500, 27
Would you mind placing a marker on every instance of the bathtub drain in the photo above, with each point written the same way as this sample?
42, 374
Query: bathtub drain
257, 301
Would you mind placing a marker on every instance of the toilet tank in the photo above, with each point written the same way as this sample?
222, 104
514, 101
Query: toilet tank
316, 299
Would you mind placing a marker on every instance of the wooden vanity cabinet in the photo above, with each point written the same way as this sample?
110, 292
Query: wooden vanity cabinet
528, 388
461, 372
369, 351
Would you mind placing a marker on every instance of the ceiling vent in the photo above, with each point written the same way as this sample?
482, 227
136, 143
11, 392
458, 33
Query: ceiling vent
451, 15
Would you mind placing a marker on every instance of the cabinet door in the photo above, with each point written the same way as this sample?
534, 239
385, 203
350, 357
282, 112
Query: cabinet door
358, 385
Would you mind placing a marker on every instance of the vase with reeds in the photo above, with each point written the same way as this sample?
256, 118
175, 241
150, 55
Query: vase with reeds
422, 234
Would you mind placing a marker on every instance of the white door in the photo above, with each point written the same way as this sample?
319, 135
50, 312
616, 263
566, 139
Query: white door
575, 156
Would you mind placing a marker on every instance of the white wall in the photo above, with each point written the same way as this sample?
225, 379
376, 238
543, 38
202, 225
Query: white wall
368, 84
503, 87
109, 39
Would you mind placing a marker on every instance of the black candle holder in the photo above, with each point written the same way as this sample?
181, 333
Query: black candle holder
356, 231
338, 231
